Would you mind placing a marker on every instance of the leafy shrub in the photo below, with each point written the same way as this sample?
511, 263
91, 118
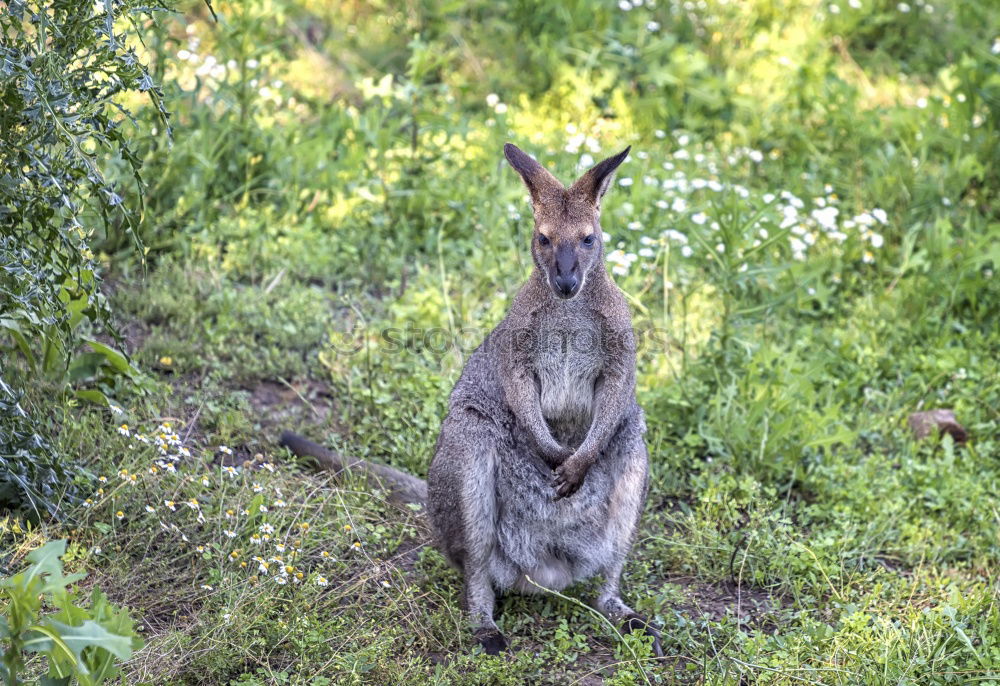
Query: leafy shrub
81, 644
64, 69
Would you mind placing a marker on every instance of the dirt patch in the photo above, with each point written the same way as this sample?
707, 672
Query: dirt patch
286, 405
753, 607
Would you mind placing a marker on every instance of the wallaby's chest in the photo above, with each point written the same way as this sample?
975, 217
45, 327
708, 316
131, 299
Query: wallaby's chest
568, 361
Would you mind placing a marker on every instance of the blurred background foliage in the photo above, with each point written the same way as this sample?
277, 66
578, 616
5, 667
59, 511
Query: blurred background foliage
807, 230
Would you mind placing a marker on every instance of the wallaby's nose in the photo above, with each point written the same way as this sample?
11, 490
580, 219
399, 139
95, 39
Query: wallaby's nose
566, 284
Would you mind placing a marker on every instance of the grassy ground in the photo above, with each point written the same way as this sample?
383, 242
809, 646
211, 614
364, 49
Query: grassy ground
810, 258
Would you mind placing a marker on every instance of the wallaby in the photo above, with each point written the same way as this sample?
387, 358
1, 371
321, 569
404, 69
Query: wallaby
540, 471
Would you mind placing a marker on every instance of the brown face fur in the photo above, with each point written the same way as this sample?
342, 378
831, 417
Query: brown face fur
566, 244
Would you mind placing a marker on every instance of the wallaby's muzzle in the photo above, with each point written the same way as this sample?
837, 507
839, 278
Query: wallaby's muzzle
565, 278
566, 286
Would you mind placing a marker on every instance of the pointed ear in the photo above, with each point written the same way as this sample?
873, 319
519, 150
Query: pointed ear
536, 177
595, 183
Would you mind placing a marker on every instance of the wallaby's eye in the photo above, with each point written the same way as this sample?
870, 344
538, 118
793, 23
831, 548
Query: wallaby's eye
543, 239
589, 240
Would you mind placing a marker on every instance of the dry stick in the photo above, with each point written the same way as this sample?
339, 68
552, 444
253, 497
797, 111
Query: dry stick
404, 489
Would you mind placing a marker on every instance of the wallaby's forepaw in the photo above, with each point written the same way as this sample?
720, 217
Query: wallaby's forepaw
492, 641
569, 477
634, 622
557, 456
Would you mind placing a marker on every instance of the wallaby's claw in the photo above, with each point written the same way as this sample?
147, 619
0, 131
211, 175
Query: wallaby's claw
492, 641
568, 480
634, 622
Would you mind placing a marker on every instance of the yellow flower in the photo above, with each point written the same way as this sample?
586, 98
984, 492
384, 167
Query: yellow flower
357, 544
166, 361
347, 527
200, 549
120, 514
324, 554
234, 555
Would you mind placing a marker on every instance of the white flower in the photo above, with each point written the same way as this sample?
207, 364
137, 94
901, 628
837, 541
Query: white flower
876, 240
686, 251
660, 133
854, 4
834, 9
586, 160
699, 218
880, 214
662, 204
645, 252
826, 217
501, 108
903, 7
625, 181
653, 26
720, 247
679, 205
635, 225
756, 156
492, 99
624, 5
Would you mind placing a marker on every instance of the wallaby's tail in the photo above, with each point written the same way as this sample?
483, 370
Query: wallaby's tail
403, 488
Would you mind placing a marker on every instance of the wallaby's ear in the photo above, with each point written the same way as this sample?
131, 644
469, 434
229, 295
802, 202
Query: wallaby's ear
536, 177
594, 184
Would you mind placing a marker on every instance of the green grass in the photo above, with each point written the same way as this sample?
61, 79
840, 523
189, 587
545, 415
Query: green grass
316, 266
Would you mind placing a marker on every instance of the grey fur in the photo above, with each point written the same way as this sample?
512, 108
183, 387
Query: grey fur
540, 468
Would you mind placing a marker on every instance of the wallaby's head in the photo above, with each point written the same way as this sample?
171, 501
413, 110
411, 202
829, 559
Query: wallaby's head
567, 243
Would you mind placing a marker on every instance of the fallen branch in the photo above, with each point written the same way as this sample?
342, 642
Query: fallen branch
404, 489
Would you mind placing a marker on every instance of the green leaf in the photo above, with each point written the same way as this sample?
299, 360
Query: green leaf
93, 396
54, 681
44, 560
113, 357
92, 634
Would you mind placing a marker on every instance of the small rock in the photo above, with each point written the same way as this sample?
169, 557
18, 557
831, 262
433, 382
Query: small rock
924, 424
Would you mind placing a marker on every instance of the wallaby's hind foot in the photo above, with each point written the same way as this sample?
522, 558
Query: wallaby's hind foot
492, 641
635, 622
